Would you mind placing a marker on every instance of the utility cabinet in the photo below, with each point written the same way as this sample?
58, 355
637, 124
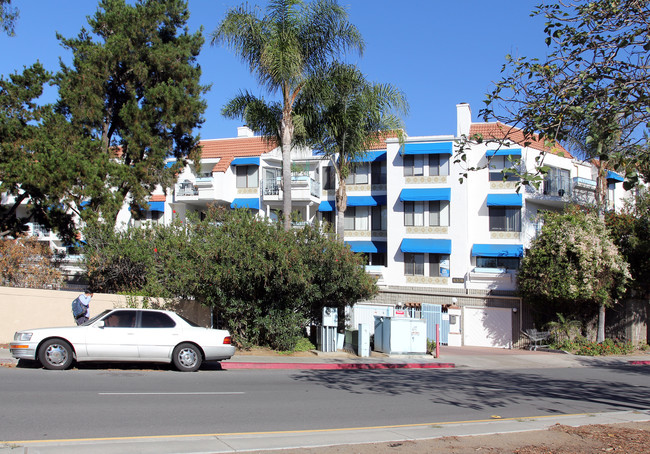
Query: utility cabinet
400, 335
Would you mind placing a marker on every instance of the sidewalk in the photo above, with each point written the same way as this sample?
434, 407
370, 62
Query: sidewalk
450, 357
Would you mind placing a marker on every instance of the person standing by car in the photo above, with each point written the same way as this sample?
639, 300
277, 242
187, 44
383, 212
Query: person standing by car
84, 299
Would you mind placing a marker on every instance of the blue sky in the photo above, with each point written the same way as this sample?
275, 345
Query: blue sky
439, 53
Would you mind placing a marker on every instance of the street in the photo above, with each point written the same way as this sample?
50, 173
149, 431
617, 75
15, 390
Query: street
93, 403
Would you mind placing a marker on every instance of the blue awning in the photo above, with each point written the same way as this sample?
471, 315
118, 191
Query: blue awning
157, 206
168, 164
505, 200
426, 246
367, 246
498, 250
246, 203
327, 205
371, 156
504, 152
425, 194
250, 161
366, 200
613, 176
428, 148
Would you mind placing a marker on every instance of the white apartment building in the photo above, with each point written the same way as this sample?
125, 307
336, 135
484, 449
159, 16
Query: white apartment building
418, 222
428, 237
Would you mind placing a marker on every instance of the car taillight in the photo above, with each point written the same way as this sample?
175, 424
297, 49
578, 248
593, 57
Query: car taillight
227, 340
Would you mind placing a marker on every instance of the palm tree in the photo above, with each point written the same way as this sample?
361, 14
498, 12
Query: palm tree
283, 48
344, 116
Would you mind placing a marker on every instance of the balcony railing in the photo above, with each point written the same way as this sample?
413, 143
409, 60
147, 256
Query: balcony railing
186, 189
557, 186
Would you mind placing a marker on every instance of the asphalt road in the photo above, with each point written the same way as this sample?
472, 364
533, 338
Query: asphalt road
42, 405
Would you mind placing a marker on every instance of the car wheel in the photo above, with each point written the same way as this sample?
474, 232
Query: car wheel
187, 357
55, 354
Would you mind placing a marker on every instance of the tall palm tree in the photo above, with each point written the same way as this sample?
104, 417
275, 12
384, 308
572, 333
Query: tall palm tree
282, 49
344, 116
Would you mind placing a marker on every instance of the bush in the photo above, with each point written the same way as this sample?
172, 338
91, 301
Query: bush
26, 262
581, 346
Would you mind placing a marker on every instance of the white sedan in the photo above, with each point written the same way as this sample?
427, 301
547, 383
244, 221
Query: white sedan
125, 335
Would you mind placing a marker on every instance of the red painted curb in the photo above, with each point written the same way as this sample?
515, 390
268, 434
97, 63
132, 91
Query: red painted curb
639, 363
335, 366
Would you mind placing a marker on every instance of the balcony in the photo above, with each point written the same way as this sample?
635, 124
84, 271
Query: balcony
557, 186
186, 189
303, 188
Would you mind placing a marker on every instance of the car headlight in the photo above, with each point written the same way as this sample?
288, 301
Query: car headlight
22, 336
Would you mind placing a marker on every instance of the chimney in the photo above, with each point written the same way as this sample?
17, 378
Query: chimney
463, 119
245, 131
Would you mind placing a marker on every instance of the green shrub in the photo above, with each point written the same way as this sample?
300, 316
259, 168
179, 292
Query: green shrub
583, 347
304, 345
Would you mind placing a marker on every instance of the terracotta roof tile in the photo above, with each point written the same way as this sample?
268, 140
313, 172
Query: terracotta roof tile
158, 198
500, 130
228, 149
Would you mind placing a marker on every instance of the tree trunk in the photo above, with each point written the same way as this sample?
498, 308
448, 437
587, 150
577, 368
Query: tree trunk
601, 192
287, 135
600, 337
341, 206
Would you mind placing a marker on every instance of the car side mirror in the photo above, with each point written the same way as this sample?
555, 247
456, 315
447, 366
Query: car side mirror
100, 324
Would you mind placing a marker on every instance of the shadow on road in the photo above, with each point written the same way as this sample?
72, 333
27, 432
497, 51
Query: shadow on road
491, 390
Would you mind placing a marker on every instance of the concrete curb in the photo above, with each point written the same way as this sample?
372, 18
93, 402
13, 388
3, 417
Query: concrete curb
335, 366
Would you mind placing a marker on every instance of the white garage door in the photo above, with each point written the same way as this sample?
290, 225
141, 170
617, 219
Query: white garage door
487, 327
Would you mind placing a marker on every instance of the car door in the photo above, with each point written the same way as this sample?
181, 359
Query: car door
157, 336
116, 340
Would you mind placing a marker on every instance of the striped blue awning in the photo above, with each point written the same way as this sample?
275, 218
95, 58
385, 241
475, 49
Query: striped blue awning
498, 250
327, 205
614, 177
367, 247
366, 200
425, 194
505, 200
250, 161
428, 148
426, 246
371, 156
504, 152
246, 203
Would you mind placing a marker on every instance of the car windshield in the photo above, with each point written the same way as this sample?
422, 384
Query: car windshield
97, 317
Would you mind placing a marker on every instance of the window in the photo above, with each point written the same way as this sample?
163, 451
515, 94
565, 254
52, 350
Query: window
505, 219
438, 213
434, 265
509, 263
498, 164
413, 264
359, 176
557, 182
156, 320
378, 217
378, 172
356, 218
414, 214
413, 165
438, 165
375, 258
147, 218
327, 216
328, 178
120, 319
247, 177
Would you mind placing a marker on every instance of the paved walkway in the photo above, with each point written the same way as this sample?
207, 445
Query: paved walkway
450, 357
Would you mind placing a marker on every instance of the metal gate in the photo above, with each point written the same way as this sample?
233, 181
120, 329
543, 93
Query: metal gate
432, 313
